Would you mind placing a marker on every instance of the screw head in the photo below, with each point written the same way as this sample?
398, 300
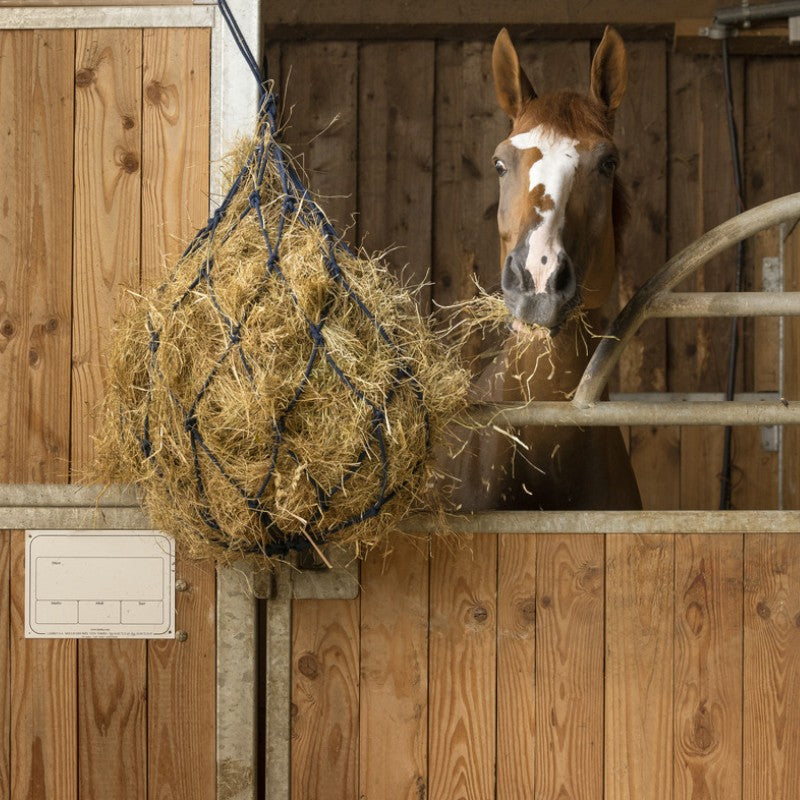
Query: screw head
181, 636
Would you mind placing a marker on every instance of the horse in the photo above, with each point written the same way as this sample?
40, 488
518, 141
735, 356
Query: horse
560, 215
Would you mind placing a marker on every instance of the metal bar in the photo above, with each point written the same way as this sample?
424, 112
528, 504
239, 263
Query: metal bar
339, 583
55, 18
237, 674
68, 494
744, 13
279, 670
608, 413
630, 319
725, 304
68, 518
606, 522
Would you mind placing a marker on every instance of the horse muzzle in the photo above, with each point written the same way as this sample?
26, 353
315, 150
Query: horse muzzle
547, 306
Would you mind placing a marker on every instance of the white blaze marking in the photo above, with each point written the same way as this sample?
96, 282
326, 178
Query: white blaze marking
555, 170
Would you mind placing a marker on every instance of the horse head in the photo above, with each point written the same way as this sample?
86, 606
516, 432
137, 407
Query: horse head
559, 197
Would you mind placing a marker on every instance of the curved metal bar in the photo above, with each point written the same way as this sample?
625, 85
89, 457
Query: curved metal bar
630, 319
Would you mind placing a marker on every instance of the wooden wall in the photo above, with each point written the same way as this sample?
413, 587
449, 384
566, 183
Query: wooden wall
555, 666
105, 169
400, 133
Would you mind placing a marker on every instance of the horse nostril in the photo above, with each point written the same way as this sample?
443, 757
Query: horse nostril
563, 276
515, 277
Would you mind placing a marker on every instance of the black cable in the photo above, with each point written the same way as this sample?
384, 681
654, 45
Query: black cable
730, 389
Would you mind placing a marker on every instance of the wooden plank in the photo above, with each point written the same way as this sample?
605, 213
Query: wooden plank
181, 692
639, 677
395, 154
5, 663
322, 131
462, 682
702, 197
708, 666
44, 755
325, 699
771, 171
701, 463
791, 434
111, 674
285, 16
36, 233
569, 666
393, 758
175, 168
107, 210
771, 757
516, 665
180, 675
641, 134
36, 99
469, 125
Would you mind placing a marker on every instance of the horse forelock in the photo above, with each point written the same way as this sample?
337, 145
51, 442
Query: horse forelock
576, 116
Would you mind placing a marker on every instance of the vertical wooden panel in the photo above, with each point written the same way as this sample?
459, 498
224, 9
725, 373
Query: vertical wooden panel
107, 209
469, 125
641, 133
180, 675
569, 666
181, 695
708, 666
5, 663
36, 99
461, 720
111, 674
771, 170
325, 700
516, 665
771, 758
639, 641
321, 84
322, 129
175, 122
44, 757
394, 672
702, 196
395, 153
791, 434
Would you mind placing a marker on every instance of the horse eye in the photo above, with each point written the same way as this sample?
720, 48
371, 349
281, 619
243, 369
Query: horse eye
607, 166
500, 167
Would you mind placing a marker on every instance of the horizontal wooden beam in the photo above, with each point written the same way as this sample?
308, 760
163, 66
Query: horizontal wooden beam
468, 19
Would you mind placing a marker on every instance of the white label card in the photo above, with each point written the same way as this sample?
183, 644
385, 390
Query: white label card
100, 584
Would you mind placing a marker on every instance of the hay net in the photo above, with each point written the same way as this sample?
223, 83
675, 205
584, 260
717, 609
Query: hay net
278, 390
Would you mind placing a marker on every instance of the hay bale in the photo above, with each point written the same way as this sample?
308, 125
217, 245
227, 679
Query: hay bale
258, 403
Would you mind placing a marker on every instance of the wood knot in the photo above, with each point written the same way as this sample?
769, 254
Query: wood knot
480, 614
8, 329
84, 77
155, 93
128, 122
763, 610
702, 729
797, 620
527, 610
51, 326
129, 162
546, 601
33, 358
308, 666
695, 616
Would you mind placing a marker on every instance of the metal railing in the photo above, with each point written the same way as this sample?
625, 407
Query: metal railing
657, 300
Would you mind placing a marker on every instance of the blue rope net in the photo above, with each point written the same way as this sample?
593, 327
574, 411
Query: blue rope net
265, 160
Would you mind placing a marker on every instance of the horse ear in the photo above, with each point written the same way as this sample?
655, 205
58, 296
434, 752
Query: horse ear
610, 71
511, 84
